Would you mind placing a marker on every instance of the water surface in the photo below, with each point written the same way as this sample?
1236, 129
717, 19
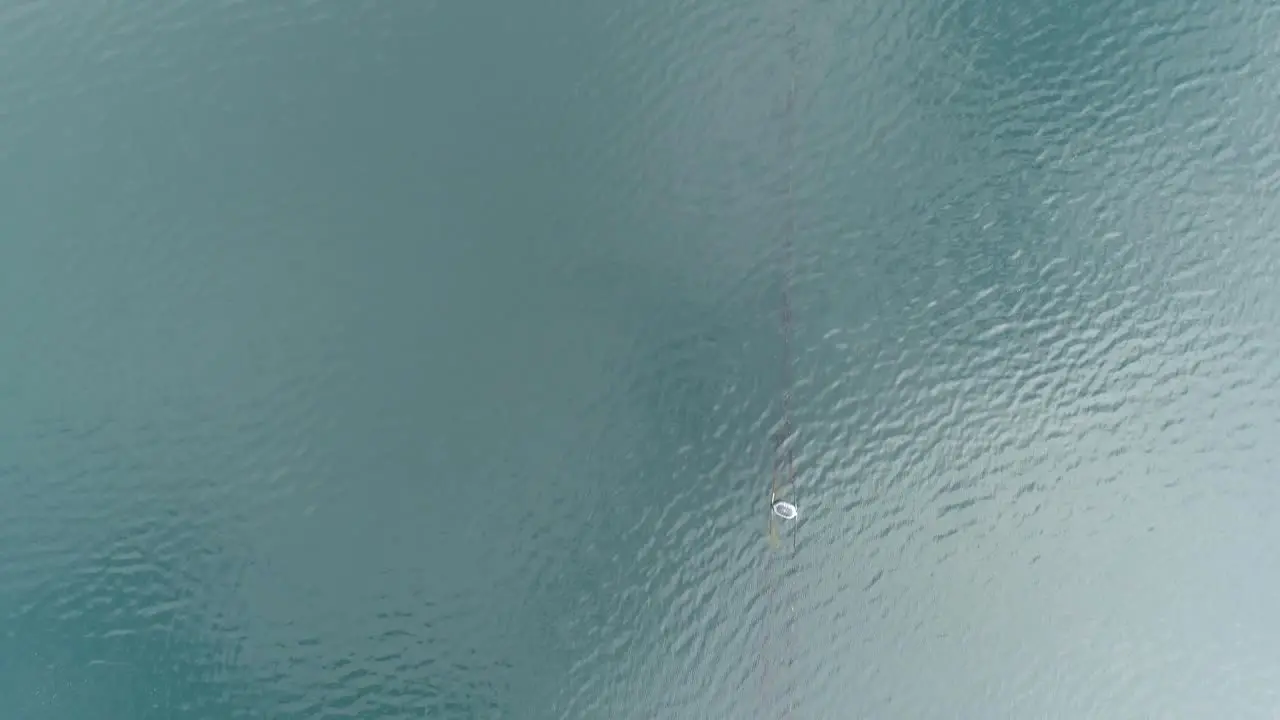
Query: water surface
421, 360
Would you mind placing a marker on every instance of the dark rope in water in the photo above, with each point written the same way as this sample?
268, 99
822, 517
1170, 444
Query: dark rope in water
782, 508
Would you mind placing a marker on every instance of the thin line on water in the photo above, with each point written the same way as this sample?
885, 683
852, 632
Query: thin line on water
783, 475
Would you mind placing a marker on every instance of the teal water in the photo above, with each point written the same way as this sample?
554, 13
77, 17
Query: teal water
421, 360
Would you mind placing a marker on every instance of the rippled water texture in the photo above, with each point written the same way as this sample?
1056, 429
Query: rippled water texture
422, 359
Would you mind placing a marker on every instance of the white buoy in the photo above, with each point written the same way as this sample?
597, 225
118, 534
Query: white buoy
785, 510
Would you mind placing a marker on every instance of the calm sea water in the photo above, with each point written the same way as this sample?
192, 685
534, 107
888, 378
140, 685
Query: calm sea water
421, 359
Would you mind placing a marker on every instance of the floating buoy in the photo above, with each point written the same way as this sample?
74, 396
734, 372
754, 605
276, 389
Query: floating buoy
785, 510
